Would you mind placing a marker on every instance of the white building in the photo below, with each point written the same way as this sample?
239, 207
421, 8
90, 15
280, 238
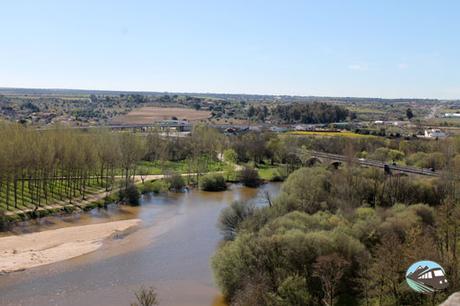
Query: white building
435, 133
452, 115
278, 129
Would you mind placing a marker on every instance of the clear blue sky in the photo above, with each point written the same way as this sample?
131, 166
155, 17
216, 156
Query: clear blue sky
330, 48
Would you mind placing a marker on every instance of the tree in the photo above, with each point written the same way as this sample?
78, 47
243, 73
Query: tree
231, 217
388, 267
293, 291
132, 195
213, 182
230, 158
305, 188
409, 113
131, 149
330, 269
175, 181
249, 177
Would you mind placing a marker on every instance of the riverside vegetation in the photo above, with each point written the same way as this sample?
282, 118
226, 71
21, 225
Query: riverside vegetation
343, 236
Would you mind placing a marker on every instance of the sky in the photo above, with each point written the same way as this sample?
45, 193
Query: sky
387, 49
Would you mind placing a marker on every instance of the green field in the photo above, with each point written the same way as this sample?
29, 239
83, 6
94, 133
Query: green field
160, 167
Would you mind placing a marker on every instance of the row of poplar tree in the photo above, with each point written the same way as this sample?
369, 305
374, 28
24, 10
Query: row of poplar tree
37, 167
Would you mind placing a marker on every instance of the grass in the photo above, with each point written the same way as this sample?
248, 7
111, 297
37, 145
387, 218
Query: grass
55, 203
268, 172
330, 134
53, 197
159, 167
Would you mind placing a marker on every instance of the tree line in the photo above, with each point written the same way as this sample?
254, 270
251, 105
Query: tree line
44, 167
307, 113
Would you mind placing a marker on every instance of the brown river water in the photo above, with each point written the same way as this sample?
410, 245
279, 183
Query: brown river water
170, 251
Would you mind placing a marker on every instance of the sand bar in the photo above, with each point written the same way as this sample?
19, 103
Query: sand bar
42, 248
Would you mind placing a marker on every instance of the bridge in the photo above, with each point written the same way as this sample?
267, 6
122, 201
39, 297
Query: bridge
375, 164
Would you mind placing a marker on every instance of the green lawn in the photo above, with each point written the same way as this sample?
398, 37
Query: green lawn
267, 172
159, 167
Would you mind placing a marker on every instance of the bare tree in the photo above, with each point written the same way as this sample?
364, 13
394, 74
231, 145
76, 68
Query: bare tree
330, 269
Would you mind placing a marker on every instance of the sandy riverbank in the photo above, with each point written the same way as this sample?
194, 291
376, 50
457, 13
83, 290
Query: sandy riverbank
41, 248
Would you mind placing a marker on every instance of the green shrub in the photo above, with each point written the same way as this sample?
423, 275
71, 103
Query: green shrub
156, 187
231, 217
213, 182
111, 198
175, 181
146, 297
279, 175
131, 195
249, 177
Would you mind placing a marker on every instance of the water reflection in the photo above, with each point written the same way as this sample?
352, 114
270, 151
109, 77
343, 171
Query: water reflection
170, 251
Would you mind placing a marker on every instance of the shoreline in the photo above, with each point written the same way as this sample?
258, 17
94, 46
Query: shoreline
99, 199
21, 252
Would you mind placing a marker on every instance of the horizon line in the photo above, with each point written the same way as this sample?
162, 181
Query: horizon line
218, 93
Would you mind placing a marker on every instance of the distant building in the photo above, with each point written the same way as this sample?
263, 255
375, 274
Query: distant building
278, 129
175, 125
304, 127
452, 115
435, 133
255, 128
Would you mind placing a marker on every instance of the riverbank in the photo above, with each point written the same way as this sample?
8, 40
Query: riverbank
36, 249
97, 199
170, 251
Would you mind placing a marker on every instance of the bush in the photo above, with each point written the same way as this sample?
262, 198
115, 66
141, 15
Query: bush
111, 198
175, 181
131, 195
156, 187
231, 217
280, 175
146, 297
213, 182
250, 177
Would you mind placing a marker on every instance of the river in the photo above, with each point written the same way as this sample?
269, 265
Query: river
171, 252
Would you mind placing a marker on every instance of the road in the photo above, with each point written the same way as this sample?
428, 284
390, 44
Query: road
375, 164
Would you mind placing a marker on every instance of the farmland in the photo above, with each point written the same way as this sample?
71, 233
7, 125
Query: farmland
149, 114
